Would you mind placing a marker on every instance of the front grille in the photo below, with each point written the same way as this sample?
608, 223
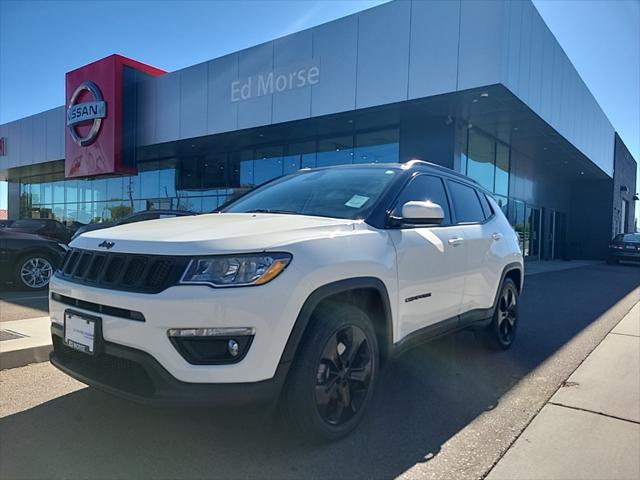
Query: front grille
122, 271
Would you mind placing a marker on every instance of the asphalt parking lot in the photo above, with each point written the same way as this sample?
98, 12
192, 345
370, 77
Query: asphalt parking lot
448, 409
16, 304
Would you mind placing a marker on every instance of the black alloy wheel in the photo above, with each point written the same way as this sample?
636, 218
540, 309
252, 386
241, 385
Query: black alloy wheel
501, 332
333, 375
507, 315
344, 375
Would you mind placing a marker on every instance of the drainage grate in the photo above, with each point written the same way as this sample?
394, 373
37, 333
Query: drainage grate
9, 335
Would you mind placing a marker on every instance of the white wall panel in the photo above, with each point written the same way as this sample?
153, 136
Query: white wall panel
222, 114
14, 143
536, 63
433, 59
168, 107
39, 141
291, 54
546, 107
26, 142
335, 47
55, 121
524, 57
481, 43
257, 60
193, 101
383, 54
513, 24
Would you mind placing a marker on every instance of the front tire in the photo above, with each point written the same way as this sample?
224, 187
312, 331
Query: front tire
34, 271
501, 332
333, 375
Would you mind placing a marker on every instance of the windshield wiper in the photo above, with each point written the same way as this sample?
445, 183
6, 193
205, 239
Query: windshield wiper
267, 210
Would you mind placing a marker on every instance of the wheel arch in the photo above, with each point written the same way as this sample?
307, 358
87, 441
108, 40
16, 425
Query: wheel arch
359, 288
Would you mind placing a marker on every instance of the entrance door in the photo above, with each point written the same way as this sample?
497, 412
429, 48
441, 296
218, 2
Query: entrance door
534, 227
559, 228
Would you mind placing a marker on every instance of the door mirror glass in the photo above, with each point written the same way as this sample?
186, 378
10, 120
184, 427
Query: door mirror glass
424, 213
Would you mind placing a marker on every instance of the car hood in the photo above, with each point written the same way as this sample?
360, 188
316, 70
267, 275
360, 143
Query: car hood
212, 234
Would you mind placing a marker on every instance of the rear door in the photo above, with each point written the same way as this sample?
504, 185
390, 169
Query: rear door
430, 259
477, 221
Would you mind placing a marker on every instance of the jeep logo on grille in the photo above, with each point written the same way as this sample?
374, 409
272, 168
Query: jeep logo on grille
106, 245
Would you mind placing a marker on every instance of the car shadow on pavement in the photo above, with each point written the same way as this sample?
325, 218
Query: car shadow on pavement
423, 399
18, 304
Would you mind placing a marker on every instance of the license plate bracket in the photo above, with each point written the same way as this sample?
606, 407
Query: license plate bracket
82, 332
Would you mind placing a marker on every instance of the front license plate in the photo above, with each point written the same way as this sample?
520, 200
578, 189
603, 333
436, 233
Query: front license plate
79, 332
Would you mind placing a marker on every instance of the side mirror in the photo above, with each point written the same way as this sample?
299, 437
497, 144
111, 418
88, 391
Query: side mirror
423, 213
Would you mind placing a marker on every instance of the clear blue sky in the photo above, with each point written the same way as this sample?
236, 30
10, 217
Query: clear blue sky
41, 40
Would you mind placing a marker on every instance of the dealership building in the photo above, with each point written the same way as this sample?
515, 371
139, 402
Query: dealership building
481, 87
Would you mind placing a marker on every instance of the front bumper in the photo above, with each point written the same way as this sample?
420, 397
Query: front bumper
141, 322
135, 375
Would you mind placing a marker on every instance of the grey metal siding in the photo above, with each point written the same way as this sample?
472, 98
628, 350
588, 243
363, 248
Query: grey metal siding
398, 51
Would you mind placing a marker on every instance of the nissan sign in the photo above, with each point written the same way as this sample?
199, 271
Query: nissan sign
93, 111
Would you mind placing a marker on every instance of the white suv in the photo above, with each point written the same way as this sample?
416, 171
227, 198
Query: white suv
296, 292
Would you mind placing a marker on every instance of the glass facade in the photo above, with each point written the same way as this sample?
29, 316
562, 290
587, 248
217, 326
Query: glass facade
200, 183
487, 161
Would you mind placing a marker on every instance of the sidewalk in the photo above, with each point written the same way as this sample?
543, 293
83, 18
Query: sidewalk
590, 428
24, 341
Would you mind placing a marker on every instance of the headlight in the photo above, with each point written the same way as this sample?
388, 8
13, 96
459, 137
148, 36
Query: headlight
235, 270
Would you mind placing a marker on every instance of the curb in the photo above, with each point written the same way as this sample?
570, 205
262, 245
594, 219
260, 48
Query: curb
33, 346
24, 356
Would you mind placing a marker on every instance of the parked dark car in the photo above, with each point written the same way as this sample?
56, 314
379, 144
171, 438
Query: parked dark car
28, 260
624, 247
134, 217
46, 227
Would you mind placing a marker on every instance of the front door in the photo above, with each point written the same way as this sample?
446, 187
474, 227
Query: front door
430, 259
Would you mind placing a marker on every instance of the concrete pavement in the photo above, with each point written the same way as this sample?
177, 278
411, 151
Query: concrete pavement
24, 342
590, 429
20, 304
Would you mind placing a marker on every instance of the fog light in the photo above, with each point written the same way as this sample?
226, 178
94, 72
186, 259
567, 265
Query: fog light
233, 348
209, 332
212, 345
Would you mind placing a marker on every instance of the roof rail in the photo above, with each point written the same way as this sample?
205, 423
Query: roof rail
450, 171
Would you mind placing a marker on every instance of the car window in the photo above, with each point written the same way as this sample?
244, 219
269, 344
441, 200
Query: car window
486, 206
627, 237
32, 224
338, 193
422, 188
466, 203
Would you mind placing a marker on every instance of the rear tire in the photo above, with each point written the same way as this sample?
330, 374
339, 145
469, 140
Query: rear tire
333, 375
501, 332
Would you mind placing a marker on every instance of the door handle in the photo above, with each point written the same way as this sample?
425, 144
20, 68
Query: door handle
455, 241
496, 236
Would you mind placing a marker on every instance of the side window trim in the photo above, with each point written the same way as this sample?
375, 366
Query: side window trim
447, 196
454, 215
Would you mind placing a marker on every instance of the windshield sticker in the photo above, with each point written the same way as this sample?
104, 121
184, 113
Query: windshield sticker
357, 201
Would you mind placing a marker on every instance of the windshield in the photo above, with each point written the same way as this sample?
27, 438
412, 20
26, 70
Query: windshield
628, 238
27, 224
338, 193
